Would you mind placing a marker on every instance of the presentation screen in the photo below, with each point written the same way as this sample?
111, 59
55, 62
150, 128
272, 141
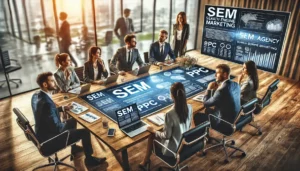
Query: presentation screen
240, 34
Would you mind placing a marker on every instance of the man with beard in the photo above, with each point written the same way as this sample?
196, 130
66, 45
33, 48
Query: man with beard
222, 94
48, 123
160, 49
126, 56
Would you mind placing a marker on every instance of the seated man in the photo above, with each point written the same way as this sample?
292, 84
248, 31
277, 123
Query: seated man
126, 56
48, 123
225, 98
160, 49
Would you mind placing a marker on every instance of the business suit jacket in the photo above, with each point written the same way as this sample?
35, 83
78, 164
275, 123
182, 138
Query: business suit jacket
155, 55
65, 84
88, 73
119, 61
121, 24
64, 34
247, 90
184, 37
47, 123
226, 101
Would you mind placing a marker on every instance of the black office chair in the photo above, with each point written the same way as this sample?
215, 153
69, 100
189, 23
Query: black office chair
108, 38
8, 67
227, 129
265, 101
46, 148
146, 57
192, 141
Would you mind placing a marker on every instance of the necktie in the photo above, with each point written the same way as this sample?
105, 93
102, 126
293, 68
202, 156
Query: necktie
129, 58
162, 50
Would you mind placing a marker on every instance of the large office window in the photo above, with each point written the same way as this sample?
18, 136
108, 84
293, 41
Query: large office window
3, 21
136, 7
22, 19
162, 16
144, 38
192, 12
14, 18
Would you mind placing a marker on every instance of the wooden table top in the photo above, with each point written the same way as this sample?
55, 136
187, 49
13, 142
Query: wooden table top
120, 141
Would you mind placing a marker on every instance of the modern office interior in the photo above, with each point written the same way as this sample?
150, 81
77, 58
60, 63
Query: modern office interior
29, 41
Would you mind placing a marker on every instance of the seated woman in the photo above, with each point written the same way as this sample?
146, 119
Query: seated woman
94, 69
177, 121
251, 83
65, 75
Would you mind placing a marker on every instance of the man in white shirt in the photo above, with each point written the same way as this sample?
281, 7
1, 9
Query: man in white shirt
126, 56
160, 49
125, 25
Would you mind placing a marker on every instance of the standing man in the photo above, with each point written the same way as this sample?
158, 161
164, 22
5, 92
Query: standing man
125, 25
65, 36
48, 123
126, 56
160, 49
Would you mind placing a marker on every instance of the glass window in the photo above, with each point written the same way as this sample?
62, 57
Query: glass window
177, 6
135, 6
22, 19
14, 17
144, 38
191, 14
3, 27
7, 14
162, 16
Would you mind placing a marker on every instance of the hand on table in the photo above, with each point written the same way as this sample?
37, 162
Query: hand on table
151, 129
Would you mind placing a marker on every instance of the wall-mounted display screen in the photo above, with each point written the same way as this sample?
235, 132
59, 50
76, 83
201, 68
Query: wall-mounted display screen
240, 34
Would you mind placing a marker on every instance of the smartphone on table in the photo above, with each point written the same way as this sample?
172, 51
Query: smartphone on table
111, 132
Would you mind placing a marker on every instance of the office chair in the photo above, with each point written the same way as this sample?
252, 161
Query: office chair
146, 57
111, 72
227, 129
79, 73
191, 142
265, 101
46, 148
8, 67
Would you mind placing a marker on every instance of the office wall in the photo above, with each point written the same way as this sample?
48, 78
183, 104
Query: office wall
289, 64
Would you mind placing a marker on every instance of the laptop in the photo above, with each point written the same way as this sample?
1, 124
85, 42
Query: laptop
81, 89
142, 70
111, 79
129, 121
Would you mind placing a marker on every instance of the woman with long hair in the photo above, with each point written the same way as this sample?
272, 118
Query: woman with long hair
65, 75
177, 121
94, 68
181, 32
251, 83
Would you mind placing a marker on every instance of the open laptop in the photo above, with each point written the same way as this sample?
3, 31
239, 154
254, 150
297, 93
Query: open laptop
129, 121
111, 79
81, 89
142, 70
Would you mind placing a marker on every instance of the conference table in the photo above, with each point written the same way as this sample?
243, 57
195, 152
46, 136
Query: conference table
119, 143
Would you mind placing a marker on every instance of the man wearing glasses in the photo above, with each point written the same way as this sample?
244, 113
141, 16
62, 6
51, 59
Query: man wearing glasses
126, 56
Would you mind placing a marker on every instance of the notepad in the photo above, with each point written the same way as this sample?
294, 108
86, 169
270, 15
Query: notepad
78, 108
199, 98
157, 119
170, 64
89, 117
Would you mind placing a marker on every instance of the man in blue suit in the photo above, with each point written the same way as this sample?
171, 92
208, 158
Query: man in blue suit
48, 123
160, 49
224, 95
